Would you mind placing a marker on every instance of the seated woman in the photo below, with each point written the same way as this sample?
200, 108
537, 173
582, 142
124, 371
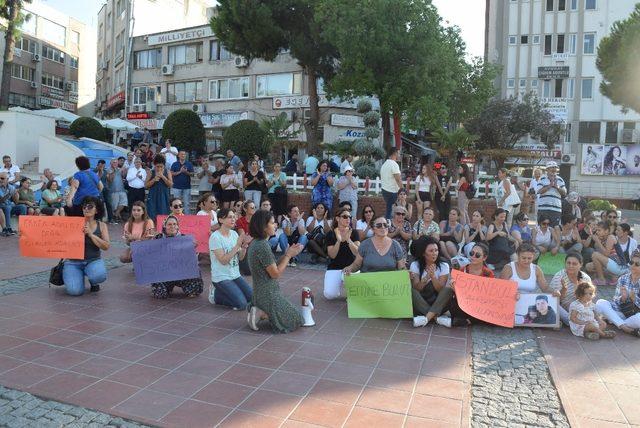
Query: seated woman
190, 287
545, 237
207, 205
624, 310
227, 248
565, 282
430, 294
474, 232
613, 253
137, 228
176, 207
268, 302
570, 241
96, 239
426, 226
364, 226
317, 227
27, 197
51, 200
451, 234
400, 228
379, 253
403, 202
501, 244
342, 248
528, 275
520, 230
293, 232
588, 237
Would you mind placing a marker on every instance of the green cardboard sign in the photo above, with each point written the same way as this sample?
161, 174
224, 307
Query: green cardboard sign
551, 264
379, 295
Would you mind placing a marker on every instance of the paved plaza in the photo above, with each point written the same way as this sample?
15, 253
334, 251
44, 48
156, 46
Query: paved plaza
121, 358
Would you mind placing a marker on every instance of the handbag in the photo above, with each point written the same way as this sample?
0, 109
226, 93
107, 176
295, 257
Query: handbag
470, 192
281, 191
55, 276
317, 234
628, 308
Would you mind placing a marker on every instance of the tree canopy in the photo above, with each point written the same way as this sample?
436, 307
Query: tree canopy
185, 129
87, 127
246, 138
619, 61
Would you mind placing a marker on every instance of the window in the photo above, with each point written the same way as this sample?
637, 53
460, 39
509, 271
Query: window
512, 40
185, 54
53, 32
120, 7
151, 58
524, 40
119, 79
229, 88
574, 4
511, 83
119, 42
279, 84
535, 39
571, 83
547, 44
109, 20
100, 31
22, 72
561, 5
75, 37
549, 5
184, 92
546, 89
534, 83
628, 125
587, 89
29, 25
73, 86
573, 43
589, 132
589, 46
590, 4
217, 51
140, 95
22, 100
73, 61
523, 83
52, 81
560, 43
611, 132
558, 91
26, 45
53, 54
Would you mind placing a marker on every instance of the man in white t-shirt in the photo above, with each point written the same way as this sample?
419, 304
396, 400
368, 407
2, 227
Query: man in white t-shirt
13, 171
346, 163
551, 189
391, 180
170, 154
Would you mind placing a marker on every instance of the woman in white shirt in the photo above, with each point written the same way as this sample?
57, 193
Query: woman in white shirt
524, 272
507, 195
364, 226
207, 206
544, 237
423, 184
230, 183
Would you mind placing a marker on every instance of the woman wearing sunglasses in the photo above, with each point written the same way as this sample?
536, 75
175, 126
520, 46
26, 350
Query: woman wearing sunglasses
379, 253
342, 247
176, 207
545, 237
96, 239
400, 228
207, 205
364, 226
520, 230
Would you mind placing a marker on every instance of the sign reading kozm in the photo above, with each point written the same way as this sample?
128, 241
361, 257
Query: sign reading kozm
178, 36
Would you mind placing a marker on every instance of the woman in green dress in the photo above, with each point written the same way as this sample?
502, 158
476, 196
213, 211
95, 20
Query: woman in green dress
268, 302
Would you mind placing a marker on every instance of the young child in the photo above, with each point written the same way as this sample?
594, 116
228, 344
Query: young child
582, 319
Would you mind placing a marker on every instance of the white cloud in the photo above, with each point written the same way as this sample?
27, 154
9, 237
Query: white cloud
469, 16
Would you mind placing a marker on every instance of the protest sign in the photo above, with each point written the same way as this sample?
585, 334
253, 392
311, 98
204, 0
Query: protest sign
199, 226
487, 299
537, 310
379, 295
51, 237
551, 264
161, 260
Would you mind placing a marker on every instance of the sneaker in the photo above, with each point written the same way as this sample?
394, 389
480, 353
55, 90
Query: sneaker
95, 288
252, 318
444, 321
420, 321
11, 231
293, 262
4, 232
212, 294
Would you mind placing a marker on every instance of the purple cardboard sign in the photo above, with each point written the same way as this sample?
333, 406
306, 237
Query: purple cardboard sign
162, 260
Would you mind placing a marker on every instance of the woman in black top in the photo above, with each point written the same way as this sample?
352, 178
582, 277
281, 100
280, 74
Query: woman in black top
96, 238
342, 247
501, 246
443, 196
254, 183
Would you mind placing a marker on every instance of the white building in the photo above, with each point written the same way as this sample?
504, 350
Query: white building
550, 47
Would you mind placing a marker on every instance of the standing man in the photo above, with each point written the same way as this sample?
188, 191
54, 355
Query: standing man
346, 163
147, 138
13, 172
181, 171
117, 193
532, 190
310, 164
136, 178
391, 180
551, 190
102, 175
292, 165
47, 176
170, 154
235, 161
136, 139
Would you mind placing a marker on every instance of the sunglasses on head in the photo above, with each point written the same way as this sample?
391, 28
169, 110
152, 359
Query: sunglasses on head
176, 206
477, 254
381, 225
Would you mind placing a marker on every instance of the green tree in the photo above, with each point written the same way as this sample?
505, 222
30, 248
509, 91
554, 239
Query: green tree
263, 29
396, 50
185, 130
279, 132
246, 138
87, 127
619, 61
449, 143
504, 122
10, 12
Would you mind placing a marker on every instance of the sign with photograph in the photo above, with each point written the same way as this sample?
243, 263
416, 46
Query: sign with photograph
553, 72
537, 310
633, 160
610, 159
615, 160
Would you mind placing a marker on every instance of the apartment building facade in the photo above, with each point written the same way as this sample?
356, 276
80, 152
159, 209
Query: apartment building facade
549, 47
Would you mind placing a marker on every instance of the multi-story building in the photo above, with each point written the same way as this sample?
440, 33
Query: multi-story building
52, 64
549, 47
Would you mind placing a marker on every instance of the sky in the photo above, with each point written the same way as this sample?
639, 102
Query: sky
466, 14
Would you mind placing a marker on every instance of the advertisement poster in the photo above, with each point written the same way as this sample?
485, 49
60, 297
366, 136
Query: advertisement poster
615, 160
633, 160
592, 157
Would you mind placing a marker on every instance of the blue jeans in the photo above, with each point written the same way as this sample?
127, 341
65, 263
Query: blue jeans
185, 197
273, 243
390, 198
236, 293
74, 271
12, 209
283, 240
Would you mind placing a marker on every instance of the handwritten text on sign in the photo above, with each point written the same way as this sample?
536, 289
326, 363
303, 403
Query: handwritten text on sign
488, 299
51, 237
379, 295
161, 260
199, 226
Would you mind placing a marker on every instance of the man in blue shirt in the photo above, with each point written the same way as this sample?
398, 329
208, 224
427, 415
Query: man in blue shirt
136, 139
235, 161
181, 170
310, 164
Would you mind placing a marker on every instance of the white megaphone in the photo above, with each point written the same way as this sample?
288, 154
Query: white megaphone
307, 307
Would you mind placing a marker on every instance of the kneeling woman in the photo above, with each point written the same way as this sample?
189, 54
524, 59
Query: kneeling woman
268, 301
96, 238
342, 248
227, 249
190, 287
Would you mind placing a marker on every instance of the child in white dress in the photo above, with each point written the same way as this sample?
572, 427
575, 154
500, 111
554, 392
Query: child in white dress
582, 317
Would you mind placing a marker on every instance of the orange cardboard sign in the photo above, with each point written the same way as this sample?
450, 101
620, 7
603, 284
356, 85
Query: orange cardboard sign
51, 237
487, 299
199, 226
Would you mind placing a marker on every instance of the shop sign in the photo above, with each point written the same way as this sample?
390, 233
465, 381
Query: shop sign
222, 120
55, 93
347, 120
302, 101
115, 100
560, 56
138, 115
146, 123
553, 72
179, 36
73, 97
557, 107
49, 102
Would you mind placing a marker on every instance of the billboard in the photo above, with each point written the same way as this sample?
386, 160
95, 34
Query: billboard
610, 159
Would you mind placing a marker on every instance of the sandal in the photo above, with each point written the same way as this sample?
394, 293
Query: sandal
609, 334
592, 336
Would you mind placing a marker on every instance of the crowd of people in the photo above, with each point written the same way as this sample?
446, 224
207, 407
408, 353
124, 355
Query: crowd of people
252, 220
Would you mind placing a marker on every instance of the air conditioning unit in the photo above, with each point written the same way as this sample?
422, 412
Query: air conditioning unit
36, 58
569, 159
151, 106
104, 65
167, 70
68, 86
291, 115
199, 108
34, 85
241, 62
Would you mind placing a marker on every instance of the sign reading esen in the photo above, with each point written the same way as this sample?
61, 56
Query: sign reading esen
179, 36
